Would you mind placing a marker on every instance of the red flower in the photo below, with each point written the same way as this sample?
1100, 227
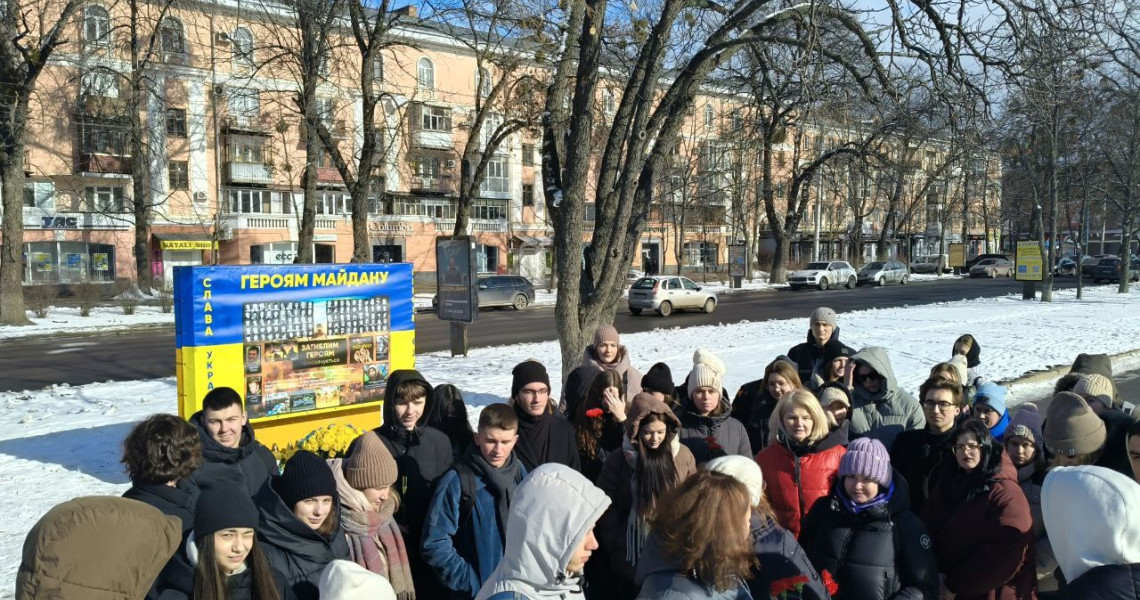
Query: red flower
595, 413
829, 583
713, 444
781, 587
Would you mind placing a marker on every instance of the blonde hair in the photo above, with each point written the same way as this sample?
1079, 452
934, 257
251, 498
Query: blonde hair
806, 400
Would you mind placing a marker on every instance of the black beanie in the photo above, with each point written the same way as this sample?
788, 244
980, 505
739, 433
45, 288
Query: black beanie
223, 504
527, 372
306, 475
659, 379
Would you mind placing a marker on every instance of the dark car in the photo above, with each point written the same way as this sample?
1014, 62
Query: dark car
1065, 266
979, 258
502, 290
1109, 269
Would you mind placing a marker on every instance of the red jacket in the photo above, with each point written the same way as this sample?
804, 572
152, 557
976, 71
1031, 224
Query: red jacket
796, 482
984, 545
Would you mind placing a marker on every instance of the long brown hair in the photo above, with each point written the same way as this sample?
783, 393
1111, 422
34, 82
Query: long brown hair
700, 527
588, 430
784, 369
656, 472
210, 582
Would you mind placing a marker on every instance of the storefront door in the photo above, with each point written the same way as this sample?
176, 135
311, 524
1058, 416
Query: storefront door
387, 253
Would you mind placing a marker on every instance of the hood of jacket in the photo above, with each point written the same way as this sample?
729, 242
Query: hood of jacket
644, 405
551, 512
394, 380
212, 451
277, 525
133, 541
876, 358
1093, 363
1092, 515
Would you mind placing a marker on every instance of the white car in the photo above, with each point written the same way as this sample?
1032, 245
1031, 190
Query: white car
824, 275
665, 294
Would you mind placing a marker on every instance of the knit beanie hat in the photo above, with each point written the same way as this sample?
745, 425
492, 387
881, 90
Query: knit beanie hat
743, 469
223, 504
703, 375
959, 362
1071, 427
306, 475
1095, 385
832, 352
1026, 423
370, 464
823, 314
704, 356
526, 373
832, 393
867, 457
605, 333
991, 394
346, 580
658, 379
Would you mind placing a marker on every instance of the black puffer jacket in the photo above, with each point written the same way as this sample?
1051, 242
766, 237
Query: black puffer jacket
880, 553
781, 557
294, 548
251, 461
753, 406
1109, 582
808, 355
173, 501
918, 455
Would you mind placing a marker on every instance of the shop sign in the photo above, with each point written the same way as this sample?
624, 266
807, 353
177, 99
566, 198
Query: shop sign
60, 222
186, 245
389, 228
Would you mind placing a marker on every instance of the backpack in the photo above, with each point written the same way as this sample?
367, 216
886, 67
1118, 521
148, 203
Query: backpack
466, 492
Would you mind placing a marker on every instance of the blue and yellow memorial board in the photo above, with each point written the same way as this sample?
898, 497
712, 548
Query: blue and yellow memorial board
305, 345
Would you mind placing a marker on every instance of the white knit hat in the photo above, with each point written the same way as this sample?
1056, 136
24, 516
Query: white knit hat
704, 356
346, 580
743, 469
959, 362
703, 375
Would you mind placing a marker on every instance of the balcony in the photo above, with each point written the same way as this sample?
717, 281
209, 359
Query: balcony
249, 173
329, 175
92, 162
248, 124
427, 138
439, 184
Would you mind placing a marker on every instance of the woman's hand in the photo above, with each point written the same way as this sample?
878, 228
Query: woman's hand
614, 403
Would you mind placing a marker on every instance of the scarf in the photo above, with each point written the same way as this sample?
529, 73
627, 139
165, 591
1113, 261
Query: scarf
534, 436
881, 499
501, 482
374, 539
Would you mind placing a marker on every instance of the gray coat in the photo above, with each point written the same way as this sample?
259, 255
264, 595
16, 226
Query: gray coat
659, 579
888, 412
729, 434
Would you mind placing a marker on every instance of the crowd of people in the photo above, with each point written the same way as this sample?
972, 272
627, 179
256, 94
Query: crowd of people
823, 478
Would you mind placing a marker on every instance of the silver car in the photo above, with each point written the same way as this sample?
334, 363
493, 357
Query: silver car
501, 290
666, 293
824, 275
883, 272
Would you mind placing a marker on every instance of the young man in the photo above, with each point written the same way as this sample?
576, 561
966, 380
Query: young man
879, 408
160, 453
544, 434
228, 443
823, 335
466, 523
550, 537
917, 454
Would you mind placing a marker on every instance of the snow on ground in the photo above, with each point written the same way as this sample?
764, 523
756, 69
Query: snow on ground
66, 320
62, 442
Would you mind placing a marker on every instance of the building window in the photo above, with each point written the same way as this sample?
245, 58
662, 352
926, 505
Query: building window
39, 194
426, 78
496, 179
710, 115
179, 174
591, 212
68, 262
96, 26
436, 118
483, 82
171, 37
280, 253
378, 68
246, 149
102, 138
243, 48
326, 112
334, 203
528, 194
609, 102
103, 83
528, 155
250, 201
495, 210
486, 258
737, 120
105, 199
243, 106
176, 122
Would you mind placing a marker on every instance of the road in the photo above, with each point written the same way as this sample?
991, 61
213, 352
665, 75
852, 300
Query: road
77, 360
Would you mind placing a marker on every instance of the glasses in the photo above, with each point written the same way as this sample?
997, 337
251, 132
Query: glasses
534, 393
969, 448
938, 406
868, 376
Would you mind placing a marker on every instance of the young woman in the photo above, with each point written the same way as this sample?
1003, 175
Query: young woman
651, 462
980, 522
835, 399
599, 422
701, 547
966, 345
707, 428
801, 463
605, 353
865, 534
364, 482
833, 367
300, 522
756, 400
449, 415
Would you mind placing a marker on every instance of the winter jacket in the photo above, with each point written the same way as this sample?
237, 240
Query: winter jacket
562, 446
238, 587
881, 552
537, 551
251, 461
294, 548
753, 406
463, 549
796, 476
983, 537
917, 456
888, 412
579, 380
617, 481
1115, 454
809, 354
710, 437
659, 578
1030, 478
781, 557
173, 501
96, 548
1108, 582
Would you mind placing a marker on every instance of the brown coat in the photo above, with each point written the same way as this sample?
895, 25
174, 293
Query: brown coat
96, 548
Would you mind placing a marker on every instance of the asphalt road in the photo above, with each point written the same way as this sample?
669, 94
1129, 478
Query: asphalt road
76, 360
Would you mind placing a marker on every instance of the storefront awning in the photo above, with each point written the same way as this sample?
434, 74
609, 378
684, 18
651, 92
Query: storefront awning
534, 242
184, 241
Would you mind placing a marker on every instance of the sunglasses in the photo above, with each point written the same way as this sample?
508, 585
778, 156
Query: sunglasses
868, 376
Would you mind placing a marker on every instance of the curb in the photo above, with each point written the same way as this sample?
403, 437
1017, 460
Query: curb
1058, 371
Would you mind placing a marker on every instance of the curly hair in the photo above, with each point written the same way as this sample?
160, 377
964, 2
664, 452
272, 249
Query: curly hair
588, 430
701, 526
161, 449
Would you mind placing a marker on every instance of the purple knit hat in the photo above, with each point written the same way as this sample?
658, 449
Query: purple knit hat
1026, 423
869, 458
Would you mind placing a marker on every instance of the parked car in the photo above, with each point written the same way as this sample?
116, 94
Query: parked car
1109, 269
1065, 267
882, 273
501, 290
667, 293
930, 264
992, 267
979, 258
824, 275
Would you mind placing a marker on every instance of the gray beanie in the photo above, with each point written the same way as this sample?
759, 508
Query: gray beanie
1071, 426
823, 314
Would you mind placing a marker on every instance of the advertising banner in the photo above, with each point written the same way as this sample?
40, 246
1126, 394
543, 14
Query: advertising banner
456, 274
101, 261
301, 343
736, 256
957, 254
1029, 264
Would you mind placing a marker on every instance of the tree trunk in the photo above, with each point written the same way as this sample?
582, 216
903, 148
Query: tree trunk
141, 191
1126, 251
12, 235
361, 246
309, 188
